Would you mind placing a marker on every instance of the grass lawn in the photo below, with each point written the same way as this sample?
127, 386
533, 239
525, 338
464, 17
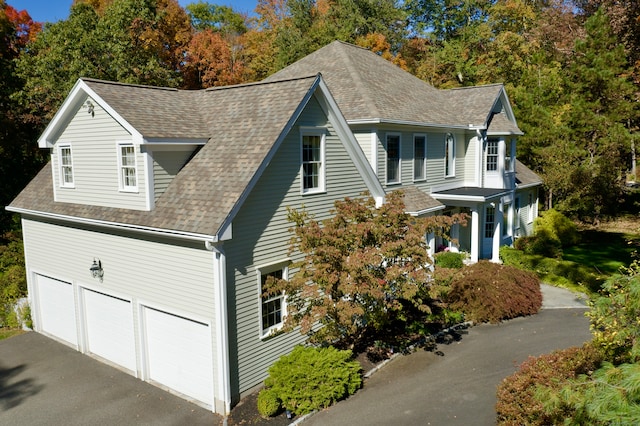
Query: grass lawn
606, 252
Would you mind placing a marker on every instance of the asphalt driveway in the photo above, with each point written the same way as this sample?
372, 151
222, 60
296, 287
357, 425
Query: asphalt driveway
43, 382
458, 387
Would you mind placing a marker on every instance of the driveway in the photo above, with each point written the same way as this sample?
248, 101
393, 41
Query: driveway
43, 382
458, 387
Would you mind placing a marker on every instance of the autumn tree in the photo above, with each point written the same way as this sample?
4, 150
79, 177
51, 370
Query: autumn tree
363, 269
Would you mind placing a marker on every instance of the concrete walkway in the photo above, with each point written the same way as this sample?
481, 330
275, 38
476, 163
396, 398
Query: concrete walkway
459, 386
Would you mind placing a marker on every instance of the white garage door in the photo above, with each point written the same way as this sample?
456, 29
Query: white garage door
56, 308
109, 328
179, 354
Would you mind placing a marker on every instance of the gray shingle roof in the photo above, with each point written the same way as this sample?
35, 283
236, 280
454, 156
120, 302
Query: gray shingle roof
417, 201
525, 176
203, 195
368, 87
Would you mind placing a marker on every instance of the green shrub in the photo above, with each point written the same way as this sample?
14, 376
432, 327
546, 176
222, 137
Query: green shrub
557, 227
517, 403
542, 243
513, 257
489, 292
449, 259
268, 403
312, 378
13, 281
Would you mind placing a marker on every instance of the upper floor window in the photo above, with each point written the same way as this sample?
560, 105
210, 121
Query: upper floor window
393, 158
419, 157
313, 162
66, 166
492, 155
509, 159
449, 155
128, 169
272, 307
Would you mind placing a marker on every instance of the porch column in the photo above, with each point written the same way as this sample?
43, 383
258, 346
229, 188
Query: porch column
497, 232
475, 234
430, 238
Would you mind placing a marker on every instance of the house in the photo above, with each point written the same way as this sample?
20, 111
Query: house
161, 213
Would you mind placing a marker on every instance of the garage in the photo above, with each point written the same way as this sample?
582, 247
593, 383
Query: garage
56, 308
179, 354
109, 328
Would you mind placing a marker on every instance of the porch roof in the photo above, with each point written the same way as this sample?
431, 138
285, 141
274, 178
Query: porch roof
467, 194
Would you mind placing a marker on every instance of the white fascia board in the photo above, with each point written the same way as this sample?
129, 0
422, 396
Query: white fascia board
370, 121
530, 185
191, 236
174, 141
68, 109
426, 211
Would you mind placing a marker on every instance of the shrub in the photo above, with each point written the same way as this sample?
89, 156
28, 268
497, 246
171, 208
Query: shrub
557, 227
449, 259
489, 292
542, 243
312, 378
268, 403
517, 403
514, 257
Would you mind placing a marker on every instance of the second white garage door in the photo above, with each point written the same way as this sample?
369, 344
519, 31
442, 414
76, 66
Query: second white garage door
109, 328
179, 354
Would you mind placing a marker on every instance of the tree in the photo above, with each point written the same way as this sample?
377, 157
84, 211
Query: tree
363, 268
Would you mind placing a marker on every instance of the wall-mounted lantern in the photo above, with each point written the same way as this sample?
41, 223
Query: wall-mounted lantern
96, 269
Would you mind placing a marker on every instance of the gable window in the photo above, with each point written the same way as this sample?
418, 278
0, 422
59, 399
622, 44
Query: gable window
419, 157
66, 166
492, 155
449, 155
489, 221
127, 164
313, 162
272, 307
393, 158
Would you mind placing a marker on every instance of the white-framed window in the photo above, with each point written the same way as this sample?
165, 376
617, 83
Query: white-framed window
65, 157
492, 155
531, 208
393, 158
449, 155
273, 308
313, 165
510, 156
489, 221
516, 209
419, 157
128, 172
506, 228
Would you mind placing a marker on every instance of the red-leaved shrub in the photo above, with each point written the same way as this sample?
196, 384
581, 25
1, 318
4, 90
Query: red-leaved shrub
517, 404
490, 292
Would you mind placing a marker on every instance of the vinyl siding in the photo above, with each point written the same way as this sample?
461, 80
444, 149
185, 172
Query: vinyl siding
165, 274
166, 165
93, 141
261, 237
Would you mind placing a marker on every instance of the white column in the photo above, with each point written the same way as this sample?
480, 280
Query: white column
431, 242
475, 234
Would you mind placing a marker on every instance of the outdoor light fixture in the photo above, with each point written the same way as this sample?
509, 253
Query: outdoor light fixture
96, 269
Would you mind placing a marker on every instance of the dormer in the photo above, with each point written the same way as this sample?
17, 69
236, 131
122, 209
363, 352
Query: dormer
103, 152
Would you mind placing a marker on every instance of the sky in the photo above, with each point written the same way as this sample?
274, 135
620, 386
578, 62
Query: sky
55, 10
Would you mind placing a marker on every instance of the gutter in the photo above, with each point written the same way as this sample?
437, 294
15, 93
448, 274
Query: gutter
189, 236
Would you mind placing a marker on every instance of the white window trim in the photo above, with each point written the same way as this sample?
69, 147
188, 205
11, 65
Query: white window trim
496, 155
63, 183
121, 180
531, 202
263, 270
322, 172
386, 159
487, 221
451, 158
424, 165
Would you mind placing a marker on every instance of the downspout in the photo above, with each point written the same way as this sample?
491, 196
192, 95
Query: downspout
223, 384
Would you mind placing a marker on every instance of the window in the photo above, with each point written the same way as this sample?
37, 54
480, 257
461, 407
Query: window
489, 221
127, 160
509, 157
531, 208
272, 308
419, 157
492, 155
517, 214
506, 230
449, 155
312, 163
393, 158
66, 166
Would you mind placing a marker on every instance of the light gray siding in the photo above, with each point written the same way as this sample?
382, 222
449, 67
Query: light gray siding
165, 274
93, 138
261, 237
166, 165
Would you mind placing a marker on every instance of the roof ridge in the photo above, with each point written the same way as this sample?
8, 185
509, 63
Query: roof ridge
477, 87
141, 86
259, 83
